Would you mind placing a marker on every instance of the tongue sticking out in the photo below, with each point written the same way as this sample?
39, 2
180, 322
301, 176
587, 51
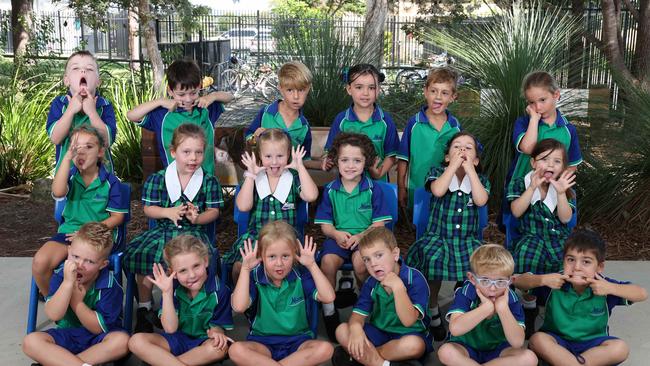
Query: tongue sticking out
548, 175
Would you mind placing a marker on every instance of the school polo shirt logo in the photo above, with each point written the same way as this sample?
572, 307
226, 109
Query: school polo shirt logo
598, 311
295, 300
365, 207
100, 197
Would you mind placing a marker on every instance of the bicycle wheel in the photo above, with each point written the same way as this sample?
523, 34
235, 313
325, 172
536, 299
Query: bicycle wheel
231, 81
270, 88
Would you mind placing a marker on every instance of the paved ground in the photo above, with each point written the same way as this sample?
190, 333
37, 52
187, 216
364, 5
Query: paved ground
630, 324
241, 111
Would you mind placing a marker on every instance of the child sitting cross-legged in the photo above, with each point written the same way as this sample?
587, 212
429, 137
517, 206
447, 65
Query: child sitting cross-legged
579, 302
486, 319
395, 300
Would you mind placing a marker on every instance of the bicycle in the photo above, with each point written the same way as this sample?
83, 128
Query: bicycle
240, 79
413, 77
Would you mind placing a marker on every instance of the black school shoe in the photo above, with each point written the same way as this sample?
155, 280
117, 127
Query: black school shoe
144, 321
345, 297
342, 358
530, 315
331, 323
439, 332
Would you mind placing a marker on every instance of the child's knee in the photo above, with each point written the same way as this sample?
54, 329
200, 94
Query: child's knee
617, 348
237, 351
117, 342
137, 342
448, 353
343, 333
33, 341
526, 358
322, 350
412, 346
540, 341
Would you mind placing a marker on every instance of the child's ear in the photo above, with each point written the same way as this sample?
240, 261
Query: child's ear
556, 95
396, 253
66, 80
104, 264
601, 267
470, 277
348, 87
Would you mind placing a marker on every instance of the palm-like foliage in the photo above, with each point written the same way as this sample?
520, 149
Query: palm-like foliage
499, 54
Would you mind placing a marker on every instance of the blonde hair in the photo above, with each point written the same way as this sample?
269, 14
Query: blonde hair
184, 131
442, 75
97, 235
492, 257
275, 231
378, 234
539, 79
273, 135
89, 130
295, 75
182, 244
82, 53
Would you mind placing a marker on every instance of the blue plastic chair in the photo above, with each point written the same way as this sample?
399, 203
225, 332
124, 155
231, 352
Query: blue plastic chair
115, 259
512, 227
422, 209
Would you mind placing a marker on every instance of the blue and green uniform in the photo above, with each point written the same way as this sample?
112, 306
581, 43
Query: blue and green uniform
104, 297
352, 212
281, 315
423, 146
162, 122
106, 113
269, 117
383, 323
487, 340
379, 128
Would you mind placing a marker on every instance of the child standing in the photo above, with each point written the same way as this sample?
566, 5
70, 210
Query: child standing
579, 303
162, 116
182, 199
272, 191
364, 116
193, 315
395, 299
350, 205
443, 252
91, 192
85, 301
486, 320
286, 113
426, 135
82, 105
281, 297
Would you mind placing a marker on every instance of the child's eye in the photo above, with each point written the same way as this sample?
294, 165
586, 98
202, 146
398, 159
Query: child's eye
365, 259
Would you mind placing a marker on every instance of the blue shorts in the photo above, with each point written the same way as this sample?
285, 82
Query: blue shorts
579, 347
280, 346
60, 238
330, 247
75, 340
484, 356
379, 337
180, 342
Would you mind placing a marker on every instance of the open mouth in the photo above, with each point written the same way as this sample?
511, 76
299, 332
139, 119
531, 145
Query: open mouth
80, 162
548, 174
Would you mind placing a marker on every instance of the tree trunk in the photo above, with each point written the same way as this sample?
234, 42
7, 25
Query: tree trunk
151, 43
576, 48
641, 60
21, 24
372, 40
611, 39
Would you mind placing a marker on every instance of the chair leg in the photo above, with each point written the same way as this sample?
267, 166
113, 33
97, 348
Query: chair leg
128, 302
32, 312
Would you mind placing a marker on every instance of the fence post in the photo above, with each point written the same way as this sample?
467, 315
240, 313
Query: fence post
83, 38
108, 35
58, 13
201, 52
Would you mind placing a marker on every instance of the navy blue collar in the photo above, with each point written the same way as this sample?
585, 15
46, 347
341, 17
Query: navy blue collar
260, 276
101, 101
274, 109
377, 114
421, 117
364, 184
102, 173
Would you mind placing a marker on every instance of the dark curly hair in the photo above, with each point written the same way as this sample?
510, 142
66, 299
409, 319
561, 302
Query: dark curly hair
477, 146
353, 139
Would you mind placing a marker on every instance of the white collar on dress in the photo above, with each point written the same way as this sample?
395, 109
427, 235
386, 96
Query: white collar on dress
173, 184
281, 191
551, 194
465, 186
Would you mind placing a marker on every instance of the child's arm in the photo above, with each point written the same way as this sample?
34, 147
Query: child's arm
378, 172
630, 292
114, 220
564, 182
461, 323
60, 181
241, 295
175, 214
168, 317
340, 237
406, 312
479, 193
527, 281
58, 304
246, 195
357, 340
87, 316
308, 189
219, 96
513, 331
325, 290
521, 204
402, 187
89, 108
138, 113
529, 140
63, 125
440, 186
203, 218
219, 338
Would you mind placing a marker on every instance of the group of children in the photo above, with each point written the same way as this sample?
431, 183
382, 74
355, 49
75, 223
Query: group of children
278, 282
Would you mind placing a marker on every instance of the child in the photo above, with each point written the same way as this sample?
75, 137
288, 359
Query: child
427, 134
364, 116
350, 205
272, 191
85, 303
443, 252
286, 113
82, 105
543, 202
280, 297
579, 303
92, 193
486, 320
162, 116
183, 199
395, 298
193, 315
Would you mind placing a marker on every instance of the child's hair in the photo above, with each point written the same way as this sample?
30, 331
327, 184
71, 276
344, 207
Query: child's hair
184, 131
350, 74
353, 139
442, 75
182, 244
184, 74
90, 130
378, 234
294, 75
477, 145
273, 135
551, 145
492, 258
539, 79
97, 235
585, 240
275, 231
82, 53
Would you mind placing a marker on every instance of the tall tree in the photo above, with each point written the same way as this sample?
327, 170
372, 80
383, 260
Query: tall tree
372, 39
21, 21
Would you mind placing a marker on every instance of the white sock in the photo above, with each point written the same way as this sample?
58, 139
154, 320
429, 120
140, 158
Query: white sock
529, 304
346, 284
386, 363
328, 309
86, 364
146, 305
435, 317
